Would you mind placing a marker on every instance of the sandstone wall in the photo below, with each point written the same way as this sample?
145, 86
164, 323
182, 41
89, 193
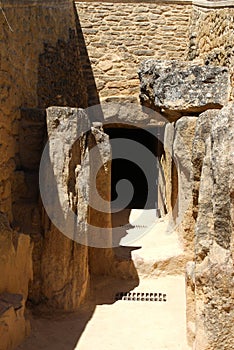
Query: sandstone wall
212, 36
119, 35
16, 272
39, 67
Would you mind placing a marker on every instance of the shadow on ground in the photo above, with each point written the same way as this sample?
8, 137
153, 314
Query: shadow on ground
58, 330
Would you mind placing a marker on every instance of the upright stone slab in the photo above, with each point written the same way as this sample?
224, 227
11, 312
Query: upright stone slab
214, 231
75, 166
167, 164
182, 151
64, 187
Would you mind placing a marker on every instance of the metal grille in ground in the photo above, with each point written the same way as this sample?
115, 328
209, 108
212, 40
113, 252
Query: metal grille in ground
129, 226
137, 296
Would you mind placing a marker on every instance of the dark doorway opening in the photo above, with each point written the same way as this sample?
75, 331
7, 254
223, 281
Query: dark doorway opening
136, 162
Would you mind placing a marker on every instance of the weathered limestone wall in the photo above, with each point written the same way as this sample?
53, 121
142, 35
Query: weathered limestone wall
39, 67
202, 145
212, 36
213, 209
39, 59
119, 35
16, 272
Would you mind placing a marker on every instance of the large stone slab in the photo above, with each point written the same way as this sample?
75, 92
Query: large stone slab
176, 88
213, 196
64, 263
75, 166
182, 149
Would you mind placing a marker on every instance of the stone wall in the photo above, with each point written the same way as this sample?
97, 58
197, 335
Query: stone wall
119, 35
201, 146
16, 271
39, 67
44, 61
212, 36
38, 62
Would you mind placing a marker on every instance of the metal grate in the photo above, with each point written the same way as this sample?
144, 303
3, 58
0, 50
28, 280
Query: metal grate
134, 296
129, 226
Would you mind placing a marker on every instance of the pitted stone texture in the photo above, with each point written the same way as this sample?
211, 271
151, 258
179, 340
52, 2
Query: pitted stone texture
178, 88
202, 133
214, 232
202, 182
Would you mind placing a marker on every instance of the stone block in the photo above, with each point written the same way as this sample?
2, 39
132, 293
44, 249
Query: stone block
182, 86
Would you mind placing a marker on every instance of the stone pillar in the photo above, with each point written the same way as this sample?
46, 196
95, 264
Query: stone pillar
65, 193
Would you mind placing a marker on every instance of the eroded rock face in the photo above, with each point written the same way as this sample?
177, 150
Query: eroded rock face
214, 283
176, 88
16, 271
128, 111
100, 214
65, 274
182, 150
15, 259
167, 164
76, 151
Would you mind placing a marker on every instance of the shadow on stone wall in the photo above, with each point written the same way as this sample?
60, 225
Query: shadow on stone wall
60, 77
93, 97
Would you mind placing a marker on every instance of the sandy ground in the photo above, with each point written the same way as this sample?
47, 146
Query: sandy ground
137, 325
106, 324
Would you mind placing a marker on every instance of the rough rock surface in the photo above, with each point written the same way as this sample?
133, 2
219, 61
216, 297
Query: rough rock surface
16, 271
100, 214
128, 111
80, 157
177, 88
211, 35
182, 152
13, 326
214, 282
167, 164
65, 275
15, 259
